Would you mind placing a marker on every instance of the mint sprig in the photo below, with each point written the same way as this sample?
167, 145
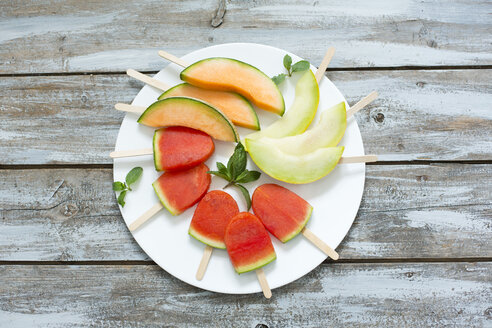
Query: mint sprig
300, 66
124, 187
236, 173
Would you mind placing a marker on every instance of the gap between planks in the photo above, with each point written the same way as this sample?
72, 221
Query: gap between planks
329, 69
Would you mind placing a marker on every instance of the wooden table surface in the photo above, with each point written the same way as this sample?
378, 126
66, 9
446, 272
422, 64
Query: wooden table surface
420, 250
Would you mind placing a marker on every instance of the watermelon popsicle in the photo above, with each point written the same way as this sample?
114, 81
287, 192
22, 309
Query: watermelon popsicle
209, 222
285, 214
175, 148
249, 247
177, 191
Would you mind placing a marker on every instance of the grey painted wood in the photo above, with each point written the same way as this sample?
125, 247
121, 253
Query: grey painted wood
334, 295
407, 212
438, 115
68, 36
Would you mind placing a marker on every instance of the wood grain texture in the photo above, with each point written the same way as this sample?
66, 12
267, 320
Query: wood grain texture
335, 295
70, 35
438, 115
407, 211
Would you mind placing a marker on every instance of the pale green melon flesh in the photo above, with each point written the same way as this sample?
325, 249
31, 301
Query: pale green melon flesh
290, 168
326, 133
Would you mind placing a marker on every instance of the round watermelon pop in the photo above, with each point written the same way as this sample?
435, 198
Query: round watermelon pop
209, 222
175, 148
249, 247
285, 214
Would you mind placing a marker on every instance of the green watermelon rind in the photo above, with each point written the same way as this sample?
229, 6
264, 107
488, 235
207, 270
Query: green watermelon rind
157, 153
258, 264
164, 201
207, 241
299, 229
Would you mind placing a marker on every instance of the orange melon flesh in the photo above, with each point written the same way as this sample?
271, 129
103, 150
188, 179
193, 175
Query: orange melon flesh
283, 213
248, 244
211, 217
192, 113
233, 105
226, 74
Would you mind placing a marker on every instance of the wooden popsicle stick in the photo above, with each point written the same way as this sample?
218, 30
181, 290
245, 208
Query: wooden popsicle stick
130, 108
146, 216
131, 153
147, 79
324, 64
358, 159
260, 274
207, 253
319, 243
172, 58
362, 103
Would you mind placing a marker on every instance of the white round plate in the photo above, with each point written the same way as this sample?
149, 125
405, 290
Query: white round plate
335, 198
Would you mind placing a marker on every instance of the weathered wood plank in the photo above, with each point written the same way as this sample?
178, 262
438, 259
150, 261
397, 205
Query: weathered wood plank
408, 211
334, 295
439, 115
69, 35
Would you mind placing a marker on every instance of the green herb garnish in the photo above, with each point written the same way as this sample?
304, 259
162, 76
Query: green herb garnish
130, 179
297, 67
236, 173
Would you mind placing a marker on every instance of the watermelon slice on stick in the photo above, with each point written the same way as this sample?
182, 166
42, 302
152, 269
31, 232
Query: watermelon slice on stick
175, 148
249, 247
177, 191
209, 222
285, 214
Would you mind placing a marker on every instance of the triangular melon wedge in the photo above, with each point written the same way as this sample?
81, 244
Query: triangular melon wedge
192, 113
233, 105
299, 115
291, 168
226, 74
326, 133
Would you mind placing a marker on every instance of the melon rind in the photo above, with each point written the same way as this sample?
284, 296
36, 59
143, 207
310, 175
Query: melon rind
160, 194
208, 241
258, 264
301, 226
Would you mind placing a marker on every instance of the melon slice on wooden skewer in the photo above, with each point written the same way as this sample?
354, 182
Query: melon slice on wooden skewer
177, 191
233, 105
249, 247
285, 214
209, 222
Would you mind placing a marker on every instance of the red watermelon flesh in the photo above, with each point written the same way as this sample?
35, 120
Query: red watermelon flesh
180, 190
283, 212
248, 243
211, 217
179, 148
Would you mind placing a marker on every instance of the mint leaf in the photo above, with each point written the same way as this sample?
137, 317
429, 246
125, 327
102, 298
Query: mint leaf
248, 176
133, 175
300, 66
237, 163
277, 79
224, 170
245, 193
219, 174
121, 198
118, 186
287, 62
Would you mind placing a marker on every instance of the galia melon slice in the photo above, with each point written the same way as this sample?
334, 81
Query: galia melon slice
248, 244
291, 168
192, 113
281, 211
233, 105
178, 148
326, 133
180, 190
299, 115
226, 74
211, 217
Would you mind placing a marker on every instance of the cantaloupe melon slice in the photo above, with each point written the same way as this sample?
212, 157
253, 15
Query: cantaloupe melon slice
300, 114
326, 133
233, 105
226, 74
291, 168
192, 113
